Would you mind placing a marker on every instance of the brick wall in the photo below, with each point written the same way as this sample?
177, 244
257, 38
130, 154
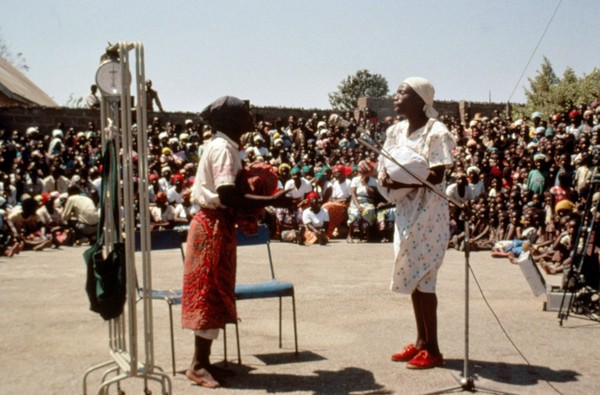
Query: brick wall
462, 110
20, 118
272, 113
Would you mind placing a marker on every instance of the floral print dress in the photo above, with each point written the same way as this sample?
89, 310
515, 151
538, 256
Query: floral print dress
422, 219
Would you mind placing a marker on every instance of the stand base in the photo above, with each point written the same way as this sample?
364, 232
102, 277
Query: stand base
467, 385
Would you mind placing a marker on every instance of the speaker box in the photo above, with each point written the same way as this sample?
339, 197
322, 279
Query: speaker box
555, 298
532, 274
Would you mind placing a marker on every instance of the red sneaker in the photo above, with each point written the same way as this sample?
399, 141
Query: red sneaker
406, 354
424, 360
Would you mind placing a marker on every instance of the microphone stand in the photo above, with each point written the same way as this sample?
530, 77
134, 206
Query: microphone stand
466, 382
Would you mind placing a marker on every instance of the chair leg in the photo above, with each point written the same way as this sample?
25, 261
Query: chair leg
280, 312
225, 345
295, 327
172, 337
237, 338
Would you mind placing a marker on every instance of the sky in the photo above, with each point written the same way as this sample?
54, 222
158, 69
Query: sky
294, 53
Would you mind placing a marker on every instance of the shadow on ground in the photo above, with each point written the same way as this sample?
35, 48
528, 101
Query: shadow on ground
513, 374
289, 357
349, 380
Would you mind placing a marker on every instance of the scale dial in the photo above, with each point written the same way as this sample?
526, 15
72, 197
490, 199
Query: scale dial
109, 79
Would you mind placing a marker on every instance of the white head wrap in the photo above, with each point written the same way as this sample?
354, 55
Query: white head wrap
473, 169
31, 130
426, 91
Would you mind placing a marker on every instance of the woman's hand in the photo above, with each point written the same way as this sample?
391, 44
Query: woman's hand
280, 199
381, 177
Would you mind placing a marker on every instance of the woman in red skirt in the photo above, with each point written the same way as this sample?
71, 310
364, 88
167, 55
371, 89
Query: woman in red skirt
208, 301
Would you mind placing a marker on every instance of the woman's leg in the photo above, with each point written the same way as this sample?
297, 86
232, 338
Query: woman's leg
421, 342
198, 370
365, 230
425, 307
351, 230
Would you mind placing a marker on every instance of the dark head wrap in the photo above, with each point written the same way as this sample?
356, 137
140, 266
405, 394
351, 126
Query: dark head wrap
226, 114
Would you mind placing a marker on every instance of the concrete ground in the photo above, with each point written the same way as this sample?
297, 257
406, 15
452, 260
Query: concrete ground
348, 326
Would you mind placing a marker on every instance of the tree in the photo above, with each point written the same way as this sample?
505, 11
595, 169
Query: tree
550, 94
565, 93
17, 60
363, 83
541, 86
589, 86
75, 102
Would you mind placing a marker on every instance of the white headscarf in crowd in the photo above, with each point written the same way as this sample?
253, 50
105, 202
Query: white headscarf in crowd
426, 91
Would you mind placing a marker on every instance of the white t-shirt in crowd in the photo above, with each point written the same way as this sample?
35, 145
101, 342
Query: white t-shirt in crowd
317, 220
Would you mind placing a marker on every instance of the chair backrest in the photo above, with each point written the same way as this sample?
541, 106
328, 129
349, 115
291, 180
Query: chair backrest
262, 237
163, 240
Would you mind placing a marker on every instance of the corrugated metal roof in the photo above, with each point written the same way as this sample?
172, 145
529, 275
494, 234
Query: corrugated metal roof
16, 86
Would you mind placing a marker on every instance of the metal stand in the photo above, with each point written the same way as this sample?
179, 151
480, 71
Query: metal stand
585, 298
116, 124
466, 381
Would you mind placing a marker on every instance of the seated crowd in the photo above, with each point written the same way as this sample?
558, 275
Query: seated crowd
524, 181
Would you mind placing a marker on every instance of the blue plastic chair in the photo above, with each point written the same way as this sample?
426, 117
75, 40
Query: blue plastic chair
268, 289
165, 240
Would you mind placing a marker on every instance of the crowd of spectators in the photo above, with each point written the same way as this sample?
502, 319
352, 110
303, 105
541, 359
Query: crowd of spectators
524, 180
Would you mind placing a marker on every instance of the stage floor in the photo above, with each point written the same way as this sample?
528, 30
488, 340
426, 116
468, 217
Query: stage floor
349, 324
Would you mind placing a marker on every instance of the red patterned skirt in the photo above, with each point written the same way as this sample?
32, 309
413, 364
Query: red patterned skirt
208, 300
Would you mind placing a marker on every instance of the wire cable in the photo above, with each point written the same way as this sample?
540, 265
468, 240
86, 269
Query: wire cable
534, 51
504, 329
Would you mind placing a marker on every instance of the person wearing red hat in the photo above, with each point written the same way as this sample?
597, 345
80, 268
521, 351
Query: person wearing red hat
154, 187
185, 211
575, 122
175, 192
315, 220
162, 214
338, 204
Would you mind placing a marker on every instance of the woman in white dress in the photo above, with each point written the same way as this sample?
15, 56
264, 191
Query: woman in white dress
422, 219
362, 212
